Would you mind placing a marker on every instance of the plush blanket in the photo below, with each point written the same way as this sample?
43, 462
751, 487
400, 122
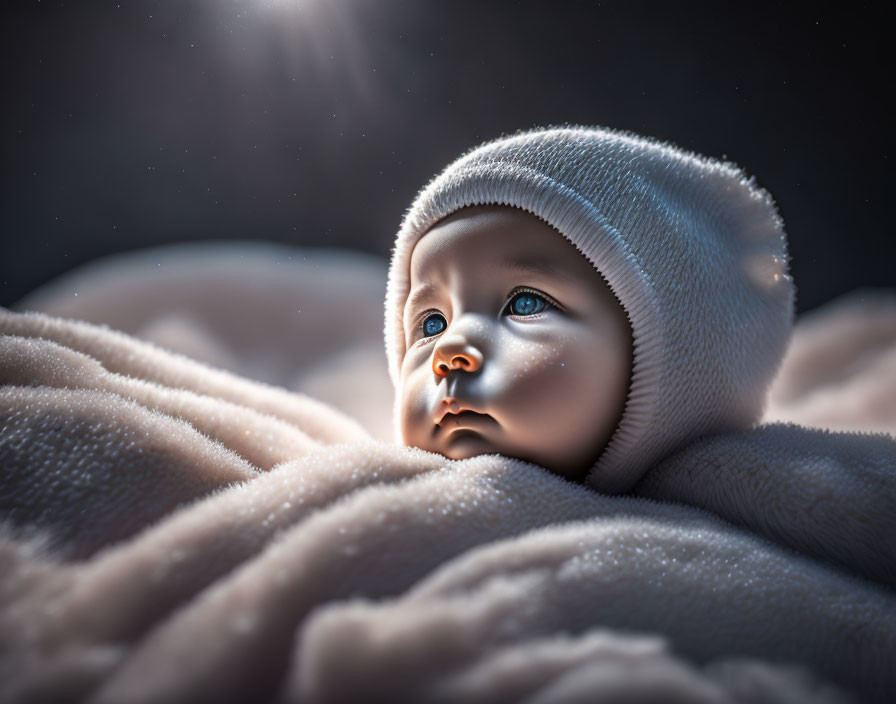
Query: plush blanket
177, 532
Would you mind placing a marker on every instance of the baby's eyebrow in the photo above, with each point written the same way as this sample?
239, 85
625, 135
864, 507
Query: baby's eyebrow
530, 266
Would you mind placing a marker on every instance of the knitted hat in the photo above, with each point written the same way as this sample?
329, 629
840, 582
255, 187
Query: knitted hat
694, 251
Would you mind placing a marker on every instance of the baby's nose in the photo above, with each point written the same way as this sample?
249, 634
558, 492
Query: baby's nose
449, 356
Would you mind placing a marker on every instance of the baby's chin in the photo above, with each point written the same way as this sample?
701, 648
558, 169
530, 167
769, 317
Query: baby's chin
464, 443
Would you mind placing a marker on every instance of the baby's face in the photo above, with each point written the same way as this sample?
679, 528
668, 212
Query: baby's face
515, 344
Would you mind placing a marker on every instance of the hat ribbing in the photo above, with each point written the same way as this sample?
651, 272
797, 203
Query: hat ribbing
694, 251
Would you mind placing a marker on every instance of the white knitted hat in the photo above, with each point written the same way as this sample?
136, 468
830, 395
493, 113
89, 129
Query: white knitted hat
693, 249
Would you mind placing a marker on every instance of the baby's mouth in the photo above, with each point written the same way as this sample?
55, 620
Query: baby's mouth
455, 417
464, 419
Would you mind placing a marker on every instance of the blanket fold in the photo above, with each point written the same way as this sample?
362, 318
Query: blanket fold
127, 356
825, 494
177, 533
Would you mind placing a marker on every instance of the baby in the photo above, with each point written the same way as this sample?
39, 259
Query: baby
587, 300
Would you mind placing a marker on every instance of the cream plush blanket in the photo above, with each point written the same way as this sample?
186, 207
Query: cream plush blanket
177, 532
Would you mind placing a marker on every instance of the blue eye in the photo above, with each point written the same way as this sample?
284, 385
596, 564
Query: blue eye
527, 303
433, 325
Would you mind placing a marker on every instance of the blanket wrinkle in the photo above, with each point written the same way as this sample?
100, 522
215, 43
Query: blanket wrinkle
268, 308
62, 453
414, 639
333, 546
730, 681
357, 566
191, 549
623, 677
529, 666
307, 319
842, 483
122, 354
262, 440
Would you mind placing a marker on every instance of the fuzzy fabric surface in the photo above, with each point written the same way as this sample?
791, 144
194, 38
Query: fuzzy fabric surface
177, 532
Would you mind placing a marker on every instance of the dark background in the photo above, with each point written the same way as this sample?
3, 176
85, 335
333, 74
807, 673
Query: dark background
314, 122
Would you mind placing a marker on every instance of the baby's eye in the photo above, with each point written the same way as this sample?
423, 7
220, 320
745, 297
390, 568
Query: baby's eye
434, 324
527, 303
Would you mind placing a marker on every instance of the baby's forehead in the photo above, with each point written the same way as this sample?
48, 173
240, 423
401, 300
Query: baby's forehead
496, 238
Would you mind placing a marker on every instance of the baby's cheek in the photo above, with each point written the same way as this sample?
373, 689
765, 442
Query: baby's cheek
414, 411
531, 372
550, 381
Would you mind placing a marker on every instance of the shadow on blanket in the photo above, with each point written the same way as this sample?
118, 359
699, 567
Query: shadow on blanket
175, 532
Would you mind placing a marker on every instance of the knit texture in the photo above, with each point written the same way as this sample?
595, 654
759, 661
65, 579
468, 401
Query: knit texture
692, 248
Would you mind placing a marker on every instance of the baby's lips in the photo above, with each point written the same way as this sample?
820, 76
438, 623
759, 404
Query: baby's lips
451, 406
